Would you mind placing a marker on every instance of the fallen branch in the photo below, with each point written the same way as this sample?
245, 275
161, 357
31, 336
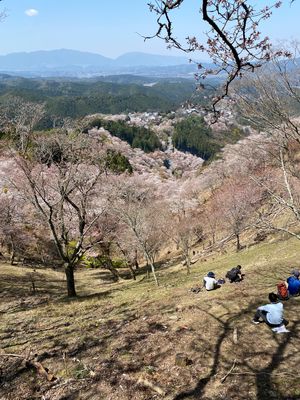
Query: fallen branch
31, 363
235, 335
263, 373
49, 328
15, 344
11, 355
229, 372
155, 388
216, 246
40, 370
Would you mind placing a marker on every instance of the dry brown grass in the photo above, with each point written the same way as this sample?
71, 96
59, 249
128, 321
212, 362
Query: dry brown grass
100, 344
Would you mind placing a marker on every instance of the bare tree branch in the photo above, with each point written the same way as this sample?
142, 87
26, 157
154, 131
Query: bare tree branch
234, 43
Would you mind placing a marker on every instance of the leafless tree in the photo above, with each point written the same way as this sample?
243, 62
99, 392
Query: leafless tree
281, 211
19, 118
270, 101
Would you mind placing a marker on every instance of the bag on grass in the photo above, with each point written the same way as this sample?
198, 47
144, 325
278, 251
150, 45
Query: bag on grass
196, 289
282, 291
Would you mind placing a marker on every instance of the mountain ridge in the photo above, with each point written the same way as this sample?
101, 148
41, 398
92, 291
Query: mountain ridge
75, 57
66, 62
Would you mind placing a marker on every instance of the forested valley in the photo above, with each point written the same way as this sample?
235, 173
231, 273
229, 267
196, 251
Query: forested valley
116, 199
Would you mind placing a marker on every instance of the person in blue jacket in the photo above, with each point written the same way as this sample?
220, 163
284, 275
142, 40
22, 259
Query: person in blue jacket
294, 283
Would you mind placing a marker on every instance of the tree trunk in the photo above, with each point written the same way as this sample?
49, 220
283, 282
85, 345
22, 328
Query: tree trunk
11, 250
12, 257
238, 244
132, 271
136, 260
153, 270
113, 270
188, 263
187, 252
129, 263
69, 270
147, 270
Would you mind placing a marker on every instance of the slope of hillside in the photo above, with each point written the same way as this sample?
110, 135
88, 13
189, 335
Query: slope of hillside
120, 341
154, 163
76, 98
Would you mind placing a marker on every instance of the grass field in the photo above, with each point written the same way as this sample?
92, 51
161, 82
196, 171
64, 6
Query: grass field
120, 340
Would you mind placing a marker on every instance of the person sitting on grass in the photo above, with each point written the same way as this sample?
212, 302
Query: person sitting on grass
271, 314
210, 282
235, 274
294, 283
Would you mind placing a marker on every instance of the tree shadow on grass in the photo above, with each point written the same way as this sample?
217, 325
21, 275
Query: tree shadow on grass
90, 296
264, 384
265, 387
225, 327
21, 285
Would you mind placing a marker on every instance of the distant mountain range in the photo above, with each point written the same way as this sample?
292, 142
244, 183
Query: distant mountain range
84, 64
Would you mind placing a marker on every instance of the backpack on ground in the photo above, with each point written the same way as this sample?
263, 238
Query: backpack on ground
196, 289
282, 291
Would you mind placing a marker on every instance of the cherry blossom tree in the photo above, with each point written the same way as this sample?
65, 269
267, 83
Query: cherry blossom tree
211, 216
237, 201
105, 228
184, 226
234, 42
12, 233
126, 244
136, 204
62, 181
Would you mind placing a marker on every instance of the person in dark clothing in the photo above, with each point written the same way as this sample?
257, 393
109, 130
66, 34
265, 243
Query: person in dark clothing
294, 283
235, 274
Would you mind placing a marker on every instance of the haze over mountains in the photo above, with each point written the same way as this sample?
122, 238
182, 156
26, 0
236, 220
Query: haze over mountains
65, 62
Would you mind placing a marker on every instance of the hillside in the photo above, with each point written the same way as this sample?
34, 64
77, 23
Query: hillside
79, 97
110, 220
121, 340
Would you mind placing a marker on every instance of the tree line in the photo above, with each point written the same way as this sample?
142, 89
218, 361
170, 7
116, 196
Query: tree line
77, 98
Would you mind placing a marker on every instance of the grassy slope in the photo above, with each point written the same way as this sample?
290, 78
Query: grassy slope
102, 343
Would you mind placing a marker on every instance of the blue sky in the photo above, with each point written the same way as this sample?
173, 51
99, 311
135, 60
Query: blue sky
111, 27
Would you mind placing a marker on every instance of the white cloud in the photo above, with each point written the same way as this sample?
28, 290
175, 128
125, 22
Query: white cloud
31, 12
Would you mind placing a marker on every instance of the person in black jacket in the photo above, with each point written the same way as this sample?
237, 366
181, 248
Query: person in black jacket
235, 274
